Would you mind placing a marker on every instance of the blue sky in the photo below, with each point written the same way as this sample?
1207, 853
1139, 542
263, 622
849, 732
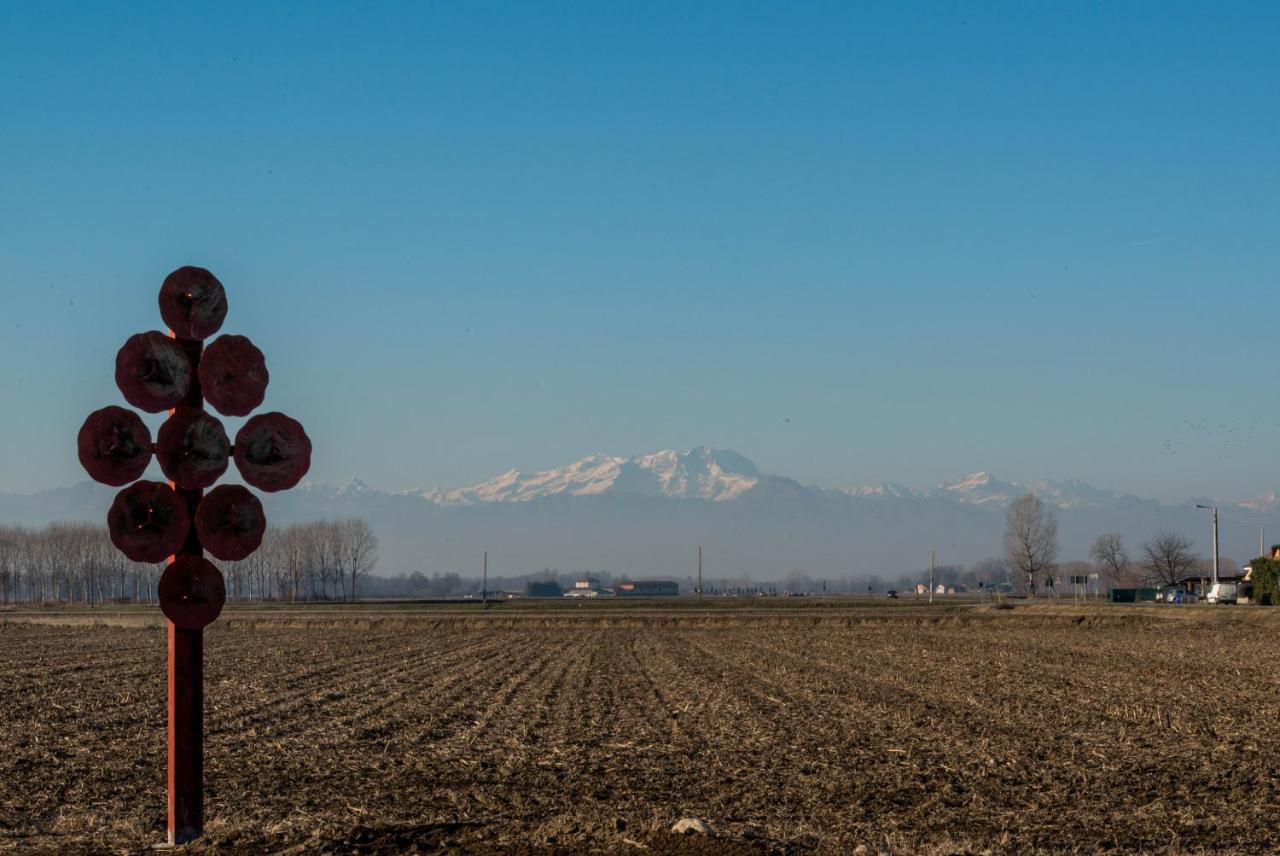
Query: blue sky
1037, 239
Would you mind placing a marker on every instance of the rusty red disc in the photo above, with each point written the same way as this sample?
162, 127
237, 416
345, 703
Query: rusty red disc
191, 592
114, 445
230, 522
148, 521
192, 448
233, 375
153, 372
192, 303
273, 452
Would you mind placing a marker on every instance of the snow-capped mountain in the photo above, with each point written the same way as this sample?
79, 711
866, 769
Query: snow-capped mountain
982, 489
718, 475
647, 514
887, 490
979, 489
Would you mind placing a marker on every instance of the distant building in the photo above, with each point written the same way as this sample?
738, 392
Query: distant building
548, 588
590, 592
648, 588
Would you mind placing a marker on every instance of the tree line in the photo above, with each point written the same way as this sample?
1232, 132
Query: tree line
77, 563
1031, 548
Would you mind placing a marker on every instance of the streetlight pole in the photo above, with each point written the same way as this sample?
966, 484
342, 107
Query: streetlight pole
1214, 508
1215, 546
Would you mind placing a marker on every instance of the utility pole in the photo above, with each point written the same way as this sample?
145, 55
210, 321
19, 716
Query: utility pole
699, 574
484, 581
1262, 540
931, 552
1213, 508
1215, 545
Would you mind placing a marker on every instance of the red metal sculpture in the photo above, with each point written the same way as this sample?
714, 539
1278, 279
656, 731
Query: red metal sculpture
272, 452
153, 372
150, 521
115, 446
233, 375
192, 449
230, 522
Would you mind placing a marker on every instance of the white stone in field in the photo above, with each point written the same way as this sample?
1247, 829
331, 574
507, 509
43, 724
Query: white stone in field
692, 826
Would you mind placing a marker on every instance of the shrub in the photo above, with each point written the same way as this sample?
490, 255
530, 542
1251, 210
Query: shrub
1266, 580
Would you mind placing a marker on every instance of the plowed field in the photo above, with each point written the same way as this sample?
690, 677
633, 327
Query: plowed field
1011, 732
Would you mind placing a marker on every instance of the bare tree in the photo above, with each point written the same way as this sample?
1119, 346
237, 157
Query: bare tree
1109, 554
76, 563
1169, 559
1030, 538
359, 550
9, 547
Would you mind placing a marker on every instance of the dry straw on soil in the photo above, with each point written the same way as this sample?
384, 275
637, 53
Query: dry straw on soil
1051, 730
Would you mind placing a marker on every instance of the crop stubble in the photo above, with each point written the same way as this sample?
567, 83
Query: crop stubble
1009, 732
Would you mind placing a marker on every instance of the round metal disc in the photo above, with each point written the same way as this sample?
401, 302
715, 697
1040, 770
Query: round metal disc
193, 303
230, 522
153, 372
192, 448
192, 592
114, 446
233, 375
273, 452
148, 521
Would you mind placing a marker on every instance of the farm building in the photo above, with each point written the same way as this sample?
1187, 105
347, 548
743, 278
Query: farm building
590, 592
549, 588
648, 588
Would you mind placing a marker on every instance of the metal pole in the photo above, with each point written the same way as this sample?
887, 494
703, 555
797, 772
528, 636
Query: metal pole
699, 573
186, 678
1215, 545
484, 581
931, 552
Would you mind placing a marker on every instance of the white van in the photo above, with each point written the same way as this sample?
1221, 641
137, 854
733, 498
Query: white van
1221, 593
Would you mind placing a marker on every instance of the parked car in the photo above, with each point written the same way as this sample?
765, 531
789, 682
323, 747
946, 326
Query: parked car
893, 595
1222, 593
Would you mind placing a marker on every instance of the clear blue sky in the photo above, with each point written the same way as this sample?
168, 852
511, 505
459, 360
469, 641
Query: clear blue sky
1038, 239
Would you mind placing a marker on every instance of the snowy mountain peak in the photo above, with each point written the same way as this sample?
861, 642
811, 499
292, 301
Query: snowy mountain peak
887, 490
981, 488
700, 473
355, 487
978, 489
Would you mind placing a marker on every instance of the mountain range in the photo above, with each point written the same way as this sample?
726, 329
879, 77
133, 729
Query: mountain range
646, 515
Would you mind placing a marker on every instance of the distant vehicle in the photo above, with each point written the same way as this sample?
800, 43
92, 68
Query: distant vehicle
1176, 594
1222, 593
893, 595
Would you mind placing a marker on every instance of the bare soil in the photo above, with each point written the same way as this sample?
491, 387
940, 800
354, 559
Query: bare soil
972, 731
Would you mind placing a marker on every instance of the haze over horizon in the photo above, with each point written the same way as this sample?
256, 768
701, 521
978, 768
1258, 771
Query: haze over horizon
856, 245
647, 514
959, 478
